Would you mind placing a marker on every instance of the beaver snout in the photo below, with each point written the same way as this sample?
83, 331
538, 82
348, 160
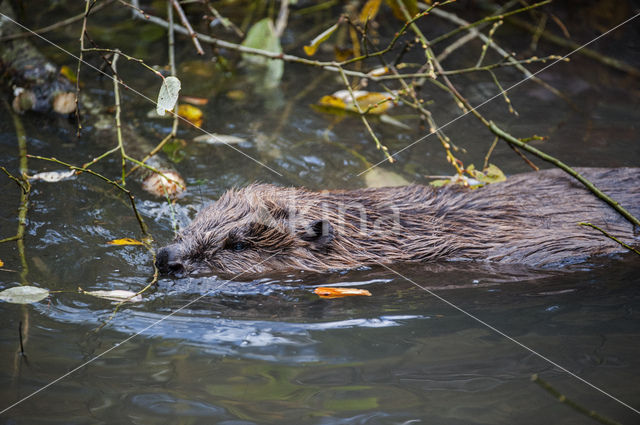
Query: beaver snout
168, 261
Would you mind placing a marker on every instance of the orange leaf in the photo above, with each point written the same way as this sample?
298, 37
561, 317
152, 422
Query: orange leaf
125, 241
325, 292
1, 263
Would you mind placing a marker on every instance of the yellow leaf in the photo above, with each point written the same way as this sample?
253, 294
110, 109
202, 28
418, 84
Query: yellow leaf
68, 74
378, 102
191, 113
370, 10
370, 102
312, 47
310, 50
125, 241
325, 292
1, 263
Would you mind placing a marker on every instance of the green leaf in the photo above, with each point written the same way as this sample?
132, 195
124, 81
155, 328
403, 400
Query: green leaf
168, 95
24, 294
262, 36
492, 174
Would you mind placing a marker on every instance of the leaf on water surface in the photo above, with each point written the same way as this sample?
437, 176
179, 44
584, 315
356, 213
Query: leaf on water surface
1, 263
116, 295
312, 47
53, 176
378, 72
125, 241
262, 35
68, 73
191, 113
218, 139
491, 174
168, 95
370, 102
380, 177
24, 294
330, 292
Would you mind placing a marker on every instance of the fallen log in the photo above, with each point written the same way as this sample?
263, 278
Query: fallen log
35, 84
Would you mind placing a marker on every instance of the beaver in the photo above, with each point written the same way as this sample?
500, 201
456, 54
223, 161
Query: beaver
530, 219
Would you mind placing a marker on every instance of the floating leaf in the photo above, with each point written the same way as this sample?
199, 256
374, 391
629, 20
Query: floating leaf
312, 47
24, 294
68, 73
191, 113
491, 174
330, 292
370, 102
125, 241
370, 10
1, 263
377, 72
218, 139
262, 35
168, 95
332, 102
54, 176
116, 295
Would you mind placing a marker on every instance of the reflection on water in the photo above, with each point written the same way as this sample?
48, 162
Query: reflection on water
267, 350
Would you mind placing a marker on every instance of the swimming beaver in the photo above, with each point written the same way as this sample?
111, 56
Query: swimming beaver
530, 219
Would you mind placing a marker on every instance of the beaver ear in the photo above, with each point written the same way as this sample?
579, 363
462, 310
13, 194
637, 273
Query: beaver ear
320, 232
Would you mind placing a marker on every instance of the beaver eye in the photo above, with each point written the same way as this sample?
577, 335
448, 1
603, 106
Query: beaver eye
239, 246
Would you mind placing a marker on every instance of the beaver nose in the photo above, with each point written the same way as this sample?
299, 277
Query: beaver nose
167, 261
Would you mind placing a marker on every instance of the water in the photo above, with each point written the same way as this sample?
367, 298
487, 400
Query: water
269, 351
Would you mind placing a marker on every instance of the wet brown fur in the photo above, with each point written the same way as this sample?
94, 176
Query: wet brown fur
530, 219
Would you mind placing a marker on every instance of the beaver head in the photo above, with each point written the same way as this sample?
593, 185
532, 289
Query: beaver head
255, 229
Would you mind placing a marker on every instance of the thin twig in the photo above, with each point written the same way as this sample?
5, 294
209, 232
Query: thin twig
186, 23
57, 25
143, 226
615, 205
630, 248
563, 399
379, 145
